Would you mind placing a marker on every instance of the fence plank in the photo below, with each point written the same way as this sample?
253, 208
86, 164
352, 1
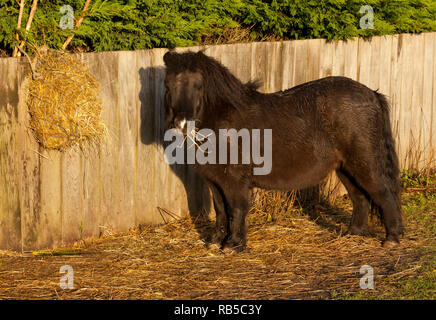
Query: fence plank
313, 59
364, 65
128, 138
432, 158
300, 66
326, 61
109, 160
229, 57
374, 68
385, 66
243, 58
49, 228
288, 57
274, 67
10, 208
163, 175
92, 188
146, 168
407, 69
71, 175
416, 147
351, 54
32, 221
395, 83
338, 64
427, 102
258, 62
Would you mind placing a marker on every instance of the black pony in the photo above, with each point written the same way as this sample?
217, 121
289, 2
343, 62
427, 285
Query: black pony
333, 123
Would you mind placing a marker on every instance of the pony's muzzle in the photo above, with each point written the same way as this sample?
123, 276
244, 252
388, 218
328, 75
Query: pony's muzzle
181, 124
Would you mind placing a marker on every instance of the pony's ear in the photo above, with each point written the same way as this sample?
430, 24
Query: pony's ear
201, 53
169, 57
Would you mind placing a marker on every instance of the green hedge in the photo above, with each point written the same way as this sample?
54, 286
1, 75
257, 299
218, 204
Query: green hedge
139, 24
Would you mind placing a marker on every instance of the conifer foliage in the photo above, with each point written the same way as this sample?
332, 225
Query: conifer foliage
140, 24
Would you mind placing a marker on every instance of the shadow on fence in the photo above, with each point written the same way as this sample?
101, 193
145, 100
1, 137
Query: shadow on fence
152, 132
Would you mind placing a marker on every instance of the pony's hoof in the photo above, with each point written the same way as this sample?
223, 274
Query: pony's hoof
217, 238
390, 244
214, 246
232, 248
229, 251
355, 231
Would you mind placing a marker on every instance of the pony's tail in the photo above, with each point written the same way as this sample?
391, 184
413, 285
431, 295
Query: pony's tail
389, 159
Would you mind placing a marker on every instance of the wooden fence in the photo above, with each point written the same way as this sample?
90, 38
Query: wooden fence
48, 198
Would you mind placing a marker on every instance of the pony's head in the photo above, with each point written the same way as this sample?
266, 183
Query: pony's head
184, 94
198, 86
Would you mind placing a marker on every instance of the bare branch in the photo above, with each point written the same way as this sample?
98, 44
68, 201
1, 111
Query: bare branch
32, 13
20, 17
35, 75
78, 23
29, 21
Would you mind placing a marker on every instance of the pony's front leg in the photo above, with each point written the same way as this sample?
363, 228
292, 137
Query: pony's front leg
222, 227
238, 205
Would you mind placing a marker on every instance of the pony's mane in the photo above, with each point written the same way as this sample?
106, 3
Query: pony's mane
220, 85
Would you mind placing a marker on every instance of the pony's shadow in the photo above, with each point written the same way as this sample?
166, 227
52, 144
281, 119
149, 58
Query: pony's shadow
152, 130
336, 219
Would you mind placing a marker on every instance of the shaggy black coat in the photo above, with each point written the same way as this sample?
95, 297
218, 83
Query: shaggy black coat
334, 123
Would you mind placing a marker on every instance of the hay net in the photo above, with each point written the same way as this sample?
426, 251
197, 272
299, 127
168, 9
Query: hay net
63, 102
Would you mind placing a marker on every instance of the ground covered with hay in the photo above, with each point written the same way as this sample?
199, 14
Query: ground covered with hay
293, 255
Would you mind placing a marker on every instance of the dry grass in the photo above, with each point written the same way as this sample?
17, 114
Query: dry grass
63, 102
230, 35
293, 257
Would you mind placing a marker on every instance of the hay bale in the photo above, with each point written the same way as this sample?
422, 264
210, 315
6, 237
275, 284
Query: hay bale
63, 103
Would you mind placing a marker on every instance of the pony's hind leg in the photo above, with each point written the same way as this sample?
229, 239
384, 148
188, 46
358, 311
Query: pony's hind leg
377, 186
361, 207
